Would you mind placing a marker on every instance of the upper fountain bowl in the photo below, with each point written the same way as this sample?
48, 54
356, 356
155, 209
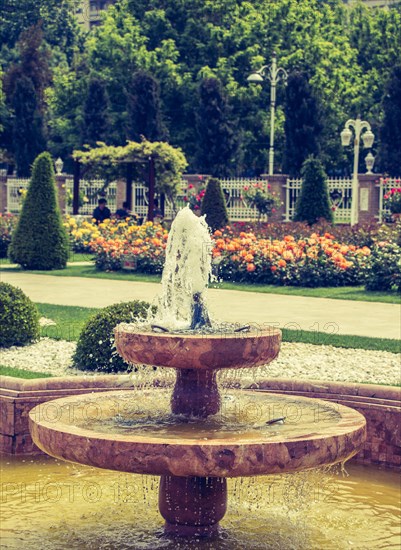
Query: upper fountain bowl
234, 350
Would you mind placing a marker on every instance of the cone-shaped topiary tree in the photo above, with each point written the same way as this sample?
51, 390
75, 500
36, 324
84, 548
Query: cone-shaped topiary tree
214, 205
313, 202
40, 241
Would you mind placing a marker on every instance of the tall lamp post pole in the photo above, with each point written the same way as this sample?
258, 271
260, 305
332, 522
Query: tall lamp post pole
274, 74
358, 126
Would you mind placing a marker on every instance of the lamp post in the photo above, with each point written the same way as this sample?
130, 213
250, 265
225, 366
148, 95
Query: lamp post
358, 126
274, 74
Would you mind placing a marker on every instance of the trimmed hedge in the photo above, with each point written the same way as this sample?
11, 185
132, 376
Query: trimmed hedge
19, 317
95, 351
40, 240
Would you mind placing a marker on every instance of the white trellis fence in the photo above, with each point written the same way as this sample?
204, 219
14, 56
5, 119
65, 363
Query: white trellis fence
232, 188
340, 193
16, 188
89, 193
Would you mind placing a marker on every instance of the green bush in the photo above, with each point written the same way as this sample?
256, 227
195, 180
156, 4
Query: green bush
384, 271
214, 205
40, 240
95, 349
19, 318
313, 203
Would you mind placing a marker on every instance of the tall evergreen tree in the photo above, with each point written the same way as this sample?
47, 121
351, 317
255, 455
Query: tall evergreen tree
28, 130
390, 133
95, 124
40, 240
303, 123
313, 202
33, 63
144, 116
216, 139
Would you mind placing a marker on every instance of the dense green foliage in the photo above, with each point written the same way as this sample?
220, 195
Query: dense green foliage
95, 345
19, 318
40, 240
303, 123
313, 203
390, 150
143, 109
214, 205
347, 51
95, 124
27, 131
216, 140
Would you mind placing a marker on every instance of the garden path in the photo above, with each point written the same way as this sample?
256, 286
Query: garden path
371, 319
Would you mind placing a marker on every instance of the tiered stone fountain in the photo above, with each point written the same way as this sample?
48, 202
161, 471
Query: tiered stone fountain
201, 438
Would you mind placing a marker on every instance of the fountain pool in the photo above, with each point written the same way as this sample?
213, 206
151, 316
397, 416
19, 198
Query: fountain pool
54, 505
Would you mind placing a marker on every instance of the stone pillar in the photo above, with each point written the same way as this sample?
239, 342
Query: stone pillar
61, 191
121, 194
369, 193
277, 182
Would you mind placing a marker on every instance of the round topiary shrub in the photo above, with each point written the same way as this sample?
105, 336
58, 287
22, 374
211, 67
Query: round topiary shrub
19, 317
95, 350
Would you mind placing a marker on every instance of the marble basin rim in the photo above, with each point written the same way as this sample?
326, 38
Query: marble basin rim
199, 351
226, 457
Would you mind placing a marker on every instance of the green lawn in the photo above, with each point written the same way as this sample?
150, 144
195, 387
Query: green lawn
70, 320
18, 373
74, 257
335, 293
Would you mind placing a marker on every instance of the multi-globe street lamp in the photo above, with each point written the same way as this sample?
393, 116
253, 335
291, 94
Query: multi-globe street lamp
274, 74
358, 126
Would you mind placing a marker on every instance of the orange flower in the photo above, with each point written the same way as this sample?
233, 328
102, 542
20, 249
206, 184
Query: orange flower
218, 233
273, 268
282, 263
250, 267
248, 258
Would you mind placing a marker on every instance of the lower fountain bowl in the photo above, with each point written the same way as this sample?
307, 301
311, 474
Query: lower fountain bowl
87, 429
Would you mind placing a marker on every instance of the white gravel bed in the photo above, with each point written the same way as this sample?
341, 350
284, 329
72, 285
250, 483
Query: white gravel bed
298, 361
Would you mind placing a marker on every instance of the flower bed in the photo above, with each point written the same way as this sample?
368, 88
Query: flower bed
290, 254
316, 260
118, 242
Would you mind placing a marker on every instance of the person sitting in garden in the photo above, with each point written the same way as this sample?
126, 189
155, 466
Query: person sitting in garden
124, 212
101, 212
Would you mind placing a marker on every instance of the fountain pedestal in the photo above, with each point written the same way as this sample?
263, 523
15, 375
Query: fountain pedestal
196, 393
192, 506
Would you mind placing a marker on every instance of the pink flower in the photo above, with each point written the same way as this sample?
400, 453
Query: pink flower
190, 186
